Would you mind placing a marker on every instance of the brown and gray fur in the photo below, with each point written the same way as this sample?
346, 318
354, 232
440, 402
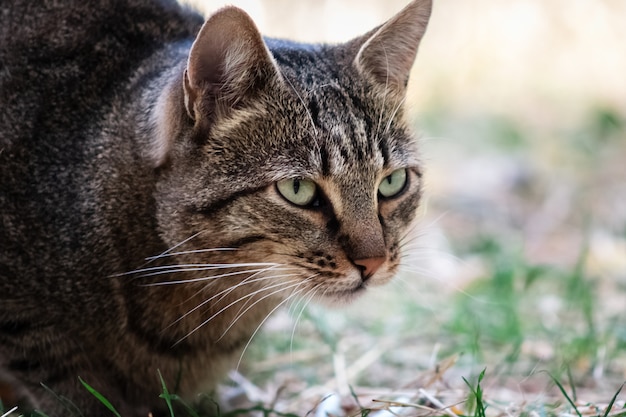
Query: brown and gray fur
140, 225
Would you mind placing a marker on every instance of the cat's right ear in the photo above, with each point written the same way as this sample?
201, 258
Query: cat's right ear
228, 62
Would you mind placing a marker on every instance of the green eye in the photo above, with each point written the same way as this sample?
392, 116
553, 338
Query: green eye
393, 184
298, 191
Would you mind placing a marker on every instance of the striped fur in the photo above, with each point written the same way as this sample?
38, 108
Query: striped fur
141, 227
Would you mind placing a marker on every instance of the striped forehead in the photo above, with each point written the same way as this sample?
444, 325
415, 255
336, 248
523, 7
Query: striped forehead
352, 128
350, 147
350, 138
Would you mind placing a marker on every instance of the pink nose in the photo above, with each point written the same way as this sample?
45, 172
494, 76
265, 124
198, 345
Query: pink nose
369, 266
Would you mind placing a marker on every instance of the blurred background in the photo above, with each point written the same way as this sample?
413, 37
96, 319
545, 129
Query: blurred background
519, 260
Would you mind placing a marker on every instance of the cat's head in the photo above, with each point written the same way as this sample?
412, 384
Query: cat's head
291, 162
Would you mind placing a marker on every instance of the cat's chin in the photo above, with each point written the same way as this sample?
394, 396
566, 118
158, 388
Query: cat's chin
343, 297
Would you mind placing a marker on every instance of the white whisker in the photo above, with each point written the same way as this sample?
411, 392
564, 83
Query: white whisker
393, 115
207, 278
267, 316
9, 412
152, 258
417, 252
246, 282
413, 232
161, 255
227, 291
306, 108
294, 306
417, 270
448, 284
166, 269
426, 301
241, 313
189, 252
313, 292
233, 303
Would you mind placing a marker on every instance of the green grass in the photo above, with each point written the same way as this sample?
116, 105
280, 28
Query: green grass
100, 397
476, 405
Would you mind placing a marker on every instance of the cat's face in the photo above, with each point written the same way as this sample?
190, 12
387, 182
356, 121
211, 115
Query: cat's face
305, 180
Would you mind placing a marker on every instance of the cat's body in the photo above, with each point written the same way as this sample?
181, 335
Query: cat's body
127, 161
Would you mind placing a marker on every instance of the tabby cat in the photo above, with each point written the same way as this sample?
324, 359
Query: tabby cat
165, 184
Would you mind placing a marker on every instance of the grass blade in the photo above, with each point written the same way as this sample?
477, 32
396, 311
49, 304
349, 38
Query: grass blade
477, 393
64, 401
100, 397
570, 379
364, 412
166, 394
569, 400
608, 407
171, 398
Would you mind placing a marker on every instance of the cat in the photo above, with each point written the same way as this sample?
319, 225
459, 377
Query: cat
167, 182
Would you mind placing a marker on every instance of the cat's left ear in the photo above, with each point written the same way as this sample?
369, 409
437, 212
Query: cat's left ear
387, 53
228, 62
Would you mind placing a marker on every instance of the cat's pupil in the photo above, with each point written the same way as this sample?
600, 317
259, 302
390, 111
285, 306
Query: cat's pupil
296, 186
389, 179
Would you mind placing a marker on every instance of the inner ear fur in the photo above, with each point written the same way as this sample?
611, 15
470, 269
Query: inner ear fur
228, 62
387, 53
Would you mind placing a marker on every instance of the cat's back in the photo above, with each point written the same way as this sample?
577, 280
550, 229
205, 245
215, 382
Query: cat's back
62, 65
60, 61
